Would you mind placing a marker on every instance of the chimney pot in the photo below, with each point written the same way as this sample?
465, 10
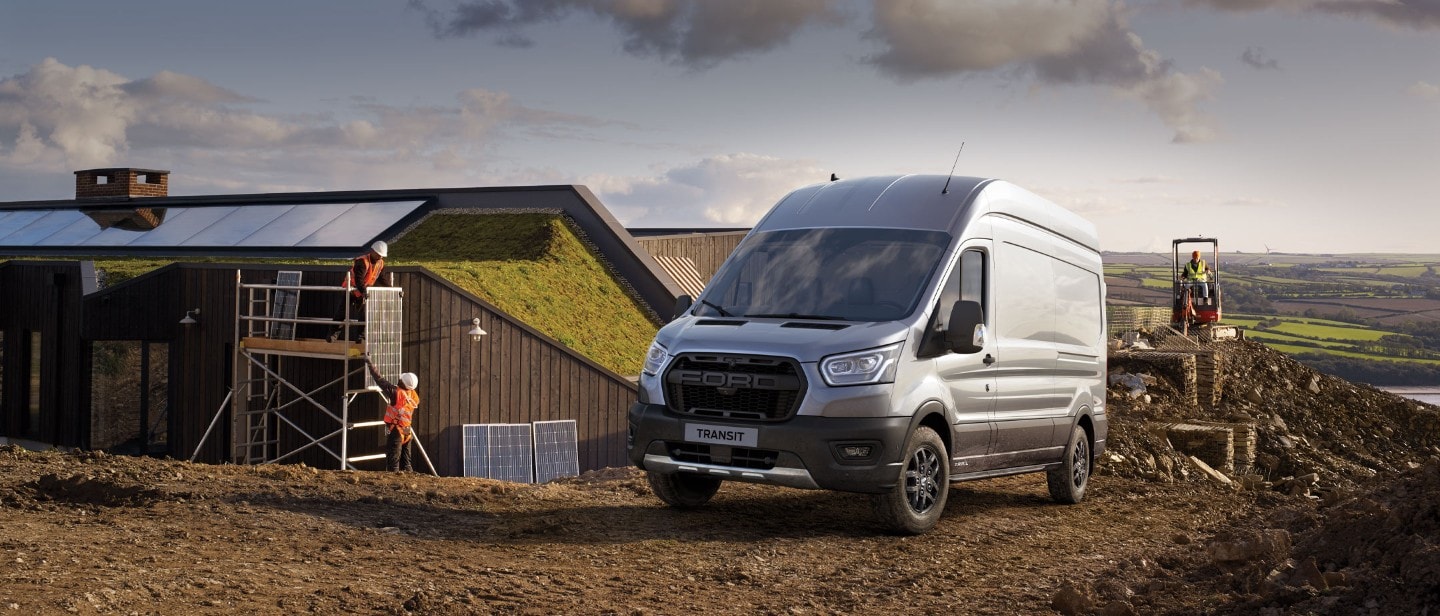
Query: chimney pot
121, 182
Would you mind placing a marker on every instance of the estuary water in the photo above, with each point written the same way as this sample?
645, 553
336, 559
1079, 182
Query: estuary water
1429, 395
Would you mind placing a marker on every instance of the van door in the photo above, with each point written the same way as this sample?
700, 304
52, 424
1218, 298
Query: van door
969, 377
1028, 400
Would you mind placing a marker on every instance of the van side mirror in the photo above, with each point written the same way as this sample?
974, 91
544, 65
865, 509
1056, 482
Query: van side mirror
682, 306
966, 333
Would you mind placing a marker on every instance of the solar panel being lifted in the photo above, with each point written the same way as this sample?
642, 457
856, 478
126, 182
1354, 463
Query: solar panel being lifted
315, 225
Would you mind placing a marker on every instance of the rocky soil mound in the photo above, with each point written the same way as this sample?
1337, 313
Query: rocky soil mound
1309, 429
1360, 535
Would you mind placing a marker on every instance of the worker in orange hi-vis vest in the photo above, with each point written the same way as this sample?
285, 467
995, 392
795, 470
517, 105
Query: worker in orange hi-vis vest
363, 273
399, 411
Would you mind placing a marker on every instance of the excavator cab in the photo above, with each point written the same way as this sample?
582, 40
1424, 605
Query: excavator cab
1196, 291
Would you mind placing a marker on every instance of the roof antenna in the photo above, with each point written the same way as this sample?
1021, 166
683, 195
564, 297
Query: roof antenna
946, 190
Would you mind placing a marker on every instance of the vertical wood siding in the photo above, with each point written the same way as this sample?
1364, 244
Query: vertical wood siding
45, 297
706, 250
512, 375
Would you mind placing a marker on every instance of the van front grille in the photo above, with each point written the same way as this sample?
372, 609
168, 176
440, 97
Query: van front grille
747, 388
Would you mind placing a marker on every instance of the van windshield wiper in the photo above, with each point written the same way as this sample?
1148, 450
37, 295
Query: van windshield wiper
797, 315
718, 309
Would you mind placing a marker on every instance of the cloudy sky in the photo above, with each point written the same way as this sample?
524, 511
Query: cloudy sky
1301, 125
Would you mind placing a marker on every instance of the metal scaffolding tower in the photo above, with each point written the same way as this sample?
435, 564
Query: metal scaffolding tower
269, 412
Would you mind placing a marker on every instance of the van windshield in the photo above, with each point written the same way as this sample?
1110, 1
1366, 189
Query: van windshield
844, 274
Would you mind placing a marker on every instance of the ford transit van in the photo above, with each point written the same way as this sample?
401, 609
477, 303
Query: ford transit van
885, 335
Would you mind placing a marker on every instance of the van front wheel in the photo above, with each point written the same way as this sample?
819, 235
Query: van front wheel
914, 505
683, 490
1069, 480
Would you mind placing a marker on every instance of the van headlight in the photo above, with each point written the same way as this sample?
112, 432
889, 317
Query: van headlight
861, 367
654, 359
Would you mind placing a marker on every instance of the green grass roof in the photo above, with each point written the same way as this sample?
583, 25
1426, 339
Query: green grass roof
535, 267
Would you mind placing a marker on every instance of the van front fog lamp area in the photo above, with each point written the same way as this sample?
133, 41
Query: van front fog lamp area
856, 452
861, 367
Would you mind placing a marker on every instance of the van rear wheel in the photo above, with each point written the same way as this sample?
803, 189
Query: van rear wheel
1068, 481
683, 490
914, 505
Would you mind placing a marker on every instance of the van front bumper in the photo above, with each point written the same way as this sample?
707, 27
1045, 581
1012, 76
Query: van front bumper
801, 452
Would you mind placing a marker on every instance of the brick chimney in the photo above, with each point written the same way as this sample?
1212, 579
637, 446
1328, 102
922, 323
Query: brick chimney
121, 183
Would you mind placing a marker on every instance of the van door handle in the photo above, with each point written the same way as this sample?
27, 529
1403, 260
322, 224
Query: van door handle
989, 359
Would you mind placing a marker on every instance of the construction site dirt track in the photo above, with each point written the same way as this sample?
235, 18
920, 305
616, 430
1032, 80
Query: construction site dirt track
89, 532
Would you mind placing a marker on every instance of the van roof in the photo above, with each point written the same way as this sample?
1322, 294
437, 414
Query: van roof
919, 202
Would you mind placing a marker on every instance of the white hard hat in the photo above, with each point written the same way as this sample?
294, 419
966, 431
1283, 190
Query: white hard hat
380, 248
409, 380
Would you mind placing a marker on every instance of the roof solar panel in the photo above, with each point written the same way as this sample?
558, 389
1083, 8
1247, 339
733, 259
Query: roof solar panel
557, 450
76, 229
311, 225
41, 227
238, 224
180, 224
360, 220
296, 224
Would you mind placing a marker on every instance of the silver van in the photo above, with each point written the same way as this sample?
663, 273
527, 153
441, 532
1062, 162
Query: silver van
885, 335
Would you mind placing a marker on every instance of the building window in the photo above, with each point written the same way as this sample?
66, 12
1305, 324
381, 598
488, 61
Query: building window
102, 179
32, 400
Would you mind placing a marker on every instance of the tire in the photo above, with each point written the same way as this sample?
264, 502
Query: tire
914, 505
1068, 481
682, 490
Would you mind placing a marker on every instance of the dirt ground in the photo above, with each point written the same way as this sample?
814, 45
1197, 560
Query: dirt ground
89, 532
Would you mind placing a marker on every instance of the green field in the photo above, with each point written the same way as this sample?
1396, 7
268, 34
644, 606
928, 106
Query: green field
1296, 335
1295, 350
1273, 339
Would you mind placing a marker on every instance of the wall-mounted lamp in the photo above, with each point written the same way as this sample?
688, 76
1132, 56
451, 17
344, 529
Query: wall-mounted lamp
475, 332
189, 318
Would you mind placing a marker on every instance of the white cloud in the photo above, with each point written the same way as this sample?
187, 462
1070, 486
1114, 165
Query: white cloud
731, 190
1412, 14
1076, 42
1083, 42
56, 118
693, 33
1424, 91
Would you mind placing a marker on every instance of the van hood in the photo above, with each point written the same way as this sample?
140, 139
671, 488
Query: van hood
801, 339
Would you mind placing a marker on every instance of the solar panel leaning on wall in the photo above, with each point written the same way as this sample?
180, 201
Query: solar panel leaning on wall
498, 451
557, 450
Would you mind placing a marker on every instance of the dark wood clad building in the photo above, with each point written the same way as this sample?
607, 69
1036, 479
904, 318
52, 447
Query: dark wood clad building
706, 249
512, 375
46, 360
51, 317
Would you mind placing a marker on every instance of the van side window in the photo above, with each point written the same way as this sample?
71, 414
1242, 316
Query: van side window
972, 278
966, 282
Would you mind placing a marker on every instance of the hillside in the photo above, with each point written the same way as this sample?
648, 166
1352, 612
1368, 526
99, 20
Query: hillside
1373, 318
94, 533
